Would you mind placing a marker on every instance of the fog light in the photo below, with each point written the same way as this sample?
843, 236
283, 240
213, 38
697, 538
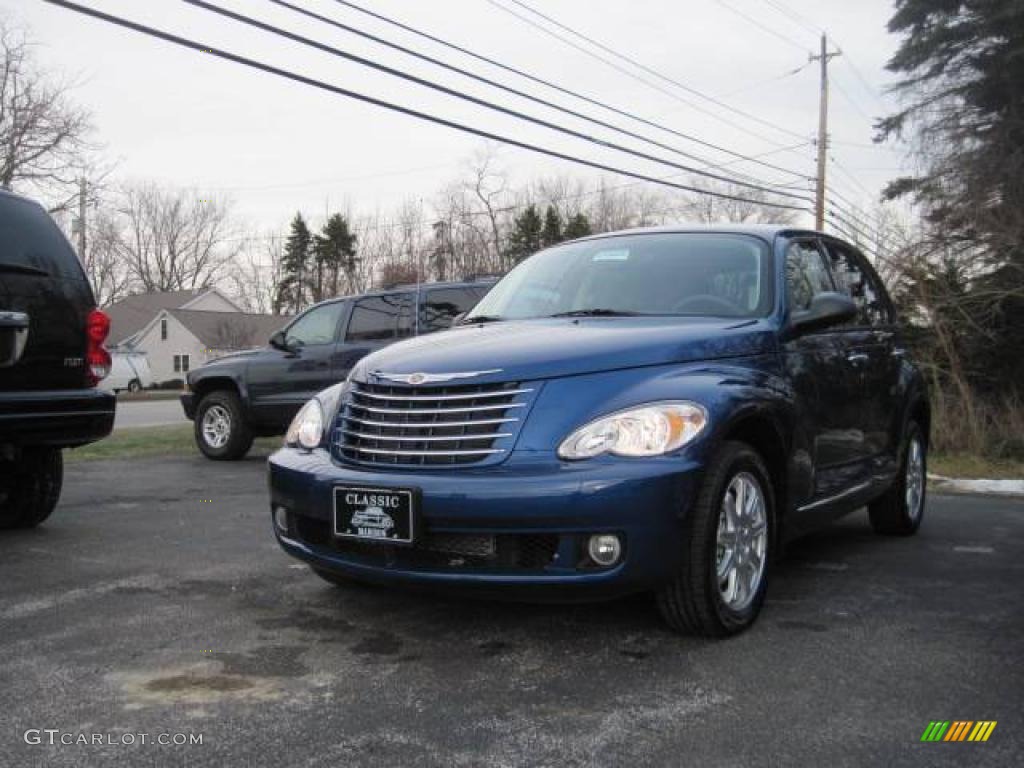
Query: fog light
604, 549
281, 518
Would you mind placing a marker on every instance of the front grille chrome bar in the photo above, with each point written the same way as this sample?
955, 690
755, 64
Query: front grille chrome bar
428, 411
383, 452
426, 424
435, 398
430, 439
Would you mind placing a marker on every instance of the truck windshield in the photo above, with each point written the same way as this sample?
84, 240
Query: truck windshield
684, 274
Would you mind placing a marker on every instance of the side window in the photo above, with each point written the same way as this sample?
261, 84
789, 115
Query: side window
858, 282
381, 318
33, 241
318, 326
806, 274
441, 306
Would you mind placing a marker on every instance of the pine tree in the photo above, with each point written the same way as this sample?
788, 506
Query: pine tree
334, 250
295, 266
525, 238
552, 232
577, 226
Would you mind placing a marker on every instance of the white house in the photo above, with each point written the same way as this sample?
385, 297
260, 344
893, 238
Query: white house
181, 330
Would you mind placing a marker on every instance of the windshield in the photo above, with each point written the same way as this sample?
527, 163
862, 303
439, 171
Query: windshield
705, 274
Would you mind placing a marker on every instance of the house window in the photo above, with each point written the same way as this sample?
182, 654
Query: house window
163, 330
184, 363
181, 363
177, 363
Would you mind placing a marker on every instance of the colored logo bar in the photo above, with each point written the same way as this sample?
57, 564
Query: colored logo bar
958, 730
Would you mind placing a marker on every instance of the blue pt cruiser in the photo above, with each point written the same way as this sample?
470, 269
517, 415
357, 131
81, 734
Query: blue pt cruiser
655, 409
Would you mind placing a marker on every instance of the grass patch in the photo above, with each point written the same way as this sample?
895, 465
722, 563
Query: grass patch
970, 466
150, 442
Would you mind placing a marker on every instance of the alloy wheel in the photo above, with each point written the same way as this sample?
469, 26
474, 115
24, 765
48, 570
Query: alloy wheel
742, 541
216, 426
914, 483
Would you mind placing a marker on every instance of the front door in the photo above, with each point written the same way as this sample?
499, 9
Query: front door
280, 381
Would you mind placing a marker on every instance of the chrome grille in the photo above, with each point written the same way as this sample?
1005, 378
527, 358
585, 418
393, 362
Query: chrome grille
436, 426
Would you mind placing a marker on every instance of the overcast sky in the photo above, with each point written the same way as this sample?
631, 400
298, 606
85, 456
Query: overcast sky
274, 146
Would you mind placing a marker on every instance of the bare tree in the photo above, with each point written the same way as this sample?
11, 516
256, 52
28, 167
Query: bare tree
43, 135
111, 280
174, 240
712, 209
255, 272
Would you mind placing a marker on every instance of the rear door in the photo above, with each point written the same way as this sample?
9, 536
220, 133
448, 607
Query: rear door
375, 322
40, 276
442, 305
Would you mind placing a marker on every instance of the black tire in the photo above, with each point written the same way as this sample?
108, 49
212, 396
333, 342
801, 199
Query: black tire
134, 386
333, 578
692, 602
891, 514
31, 491
238, 436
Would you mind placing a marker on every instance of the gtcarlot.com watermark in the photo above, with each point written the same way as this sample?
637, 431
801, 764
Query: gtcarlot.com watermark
57, 737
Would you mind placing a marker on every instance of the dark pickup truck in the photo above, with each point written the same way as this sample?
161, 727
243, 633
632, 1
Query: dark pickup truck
239, 397
51, 358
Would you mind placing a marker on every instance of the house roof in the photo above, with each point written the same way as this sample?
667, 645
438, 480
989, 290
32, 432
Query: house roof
133, 313
229, 330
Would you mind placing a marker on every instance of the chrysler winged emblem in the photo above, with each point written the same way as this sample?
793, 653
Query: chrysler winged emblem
430, 378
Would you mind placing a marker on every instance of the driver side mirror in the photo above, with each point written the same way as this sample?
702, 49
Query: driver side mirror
458, 318
827, 309
280, 341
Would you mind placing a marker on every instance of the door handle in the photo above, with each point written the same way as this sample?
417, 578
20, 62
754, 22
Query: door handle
857, 357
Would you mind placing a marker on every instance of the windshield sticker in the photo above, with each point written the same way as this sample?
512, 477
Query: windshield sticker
621, 254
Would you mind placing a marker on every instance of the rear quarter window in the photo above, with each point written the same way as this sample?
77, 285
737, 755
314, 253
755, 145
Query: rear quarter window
31, 240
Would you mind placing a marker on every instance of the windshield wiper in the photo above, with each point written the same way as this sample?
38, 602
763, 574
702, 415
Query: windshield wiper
480, 319
596, 312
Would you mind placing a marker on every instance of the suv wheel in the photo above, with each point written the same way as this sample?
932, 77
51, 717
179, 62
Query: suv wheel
720, 585
220, 429
899, 511
134, 386
32, 490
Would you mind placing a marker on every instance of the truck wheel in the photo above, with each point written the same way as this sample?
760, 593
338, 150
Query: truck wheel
134, 386
720, 585
899, 511
220, 429
32, 490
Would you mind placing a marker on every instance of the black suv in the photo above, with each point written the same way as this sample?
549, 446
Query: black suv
51, 358
252, 394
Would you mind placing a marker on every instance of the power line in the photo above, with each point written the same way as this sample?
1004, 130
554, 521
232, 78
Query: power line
645, 68
321, 85
764, 27
803, 21
553, 86
241, 18
488, 81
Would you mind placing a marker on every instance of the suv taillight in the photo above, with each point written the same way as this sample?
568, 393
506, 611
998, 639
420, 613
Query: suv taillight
97, 358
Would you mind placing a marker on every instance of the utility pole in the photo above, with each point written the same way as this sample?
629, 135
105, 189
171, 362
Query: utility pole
82, 187
819, 201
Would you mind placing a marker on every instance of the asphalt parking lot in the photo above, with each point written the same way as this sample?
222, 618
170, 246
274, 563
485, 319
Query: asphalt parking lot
156, 601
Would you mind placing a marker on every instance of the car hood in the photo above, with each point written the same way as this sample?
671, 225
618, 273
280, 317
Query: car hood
554, 347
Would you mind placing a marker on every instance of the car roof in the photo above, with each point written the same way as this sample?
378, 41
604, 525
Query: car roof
763, 231
408, 287
16, 196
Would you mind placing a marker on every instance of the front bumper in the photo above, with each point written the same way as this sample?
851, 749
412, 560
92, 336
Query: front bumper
55, 418
539, 509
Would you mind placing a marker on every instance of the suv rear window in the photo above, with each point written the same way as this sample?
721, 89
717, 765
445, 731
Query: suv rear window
441, 306
30, 239
381, 318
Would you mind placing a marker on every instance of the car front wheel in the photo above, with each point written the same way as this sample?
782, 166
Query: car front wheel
29, 493
220, 429
720, 585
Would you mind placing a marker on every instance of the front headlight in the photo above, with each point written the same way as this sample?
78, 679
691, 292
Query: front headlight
648, 430
307, 428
